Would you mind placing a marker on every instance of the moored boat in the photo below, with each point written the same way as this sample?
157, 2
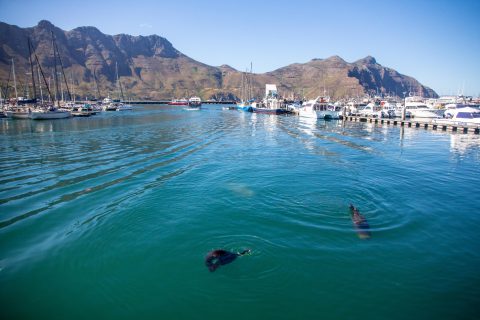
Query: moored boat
271, 104
84, 110
49, 113
195, 102
16, 112
178, 102
421, 110
318, 108
245, 106
460, 116
124, 107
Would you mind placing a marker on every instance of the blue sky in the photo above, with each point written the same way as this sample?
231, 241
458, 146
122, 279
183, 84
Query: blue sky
436, 42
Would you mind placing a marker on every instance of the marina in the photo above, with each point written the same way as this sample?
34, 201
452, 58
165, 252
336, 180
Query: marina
445, 125
172, 160
126, 206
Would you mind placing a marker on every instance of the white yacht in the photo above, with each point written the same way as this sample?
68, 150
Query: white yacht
461, 116
318, 108
371, 110
392, 109
421, 110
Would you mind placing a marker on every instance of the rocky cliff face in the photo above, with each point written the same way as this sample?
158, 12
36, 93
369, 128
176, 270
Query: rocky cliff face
150, 67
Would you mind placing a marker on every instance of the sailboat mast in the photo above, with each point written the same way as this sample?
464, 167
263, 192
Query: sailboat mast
8, 84
27, 94
40, 84
73, 88
96, 83
14, 80
63, 70
250, 84
55, 76
31, 70
43, 75
119, 87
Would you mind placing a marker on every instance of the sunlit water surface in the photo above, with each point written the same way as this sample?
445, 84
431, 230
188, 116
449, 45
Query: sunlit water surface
110, 217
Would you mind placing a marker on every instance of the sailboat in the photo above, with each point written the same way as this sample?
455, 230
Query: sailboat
50, 111
117, 105
16, 111
246, 101
121, 106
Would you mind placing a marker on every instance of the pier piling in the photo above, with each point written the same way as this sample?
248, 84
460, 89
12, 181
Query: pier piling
418, 123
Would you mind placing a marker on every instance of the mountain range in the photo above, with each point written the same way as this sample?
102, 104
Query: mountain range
149, 67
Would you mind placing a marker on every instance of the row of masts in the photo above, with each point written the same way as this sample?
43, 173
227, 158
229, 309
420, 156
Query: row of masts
58, 84
246, 89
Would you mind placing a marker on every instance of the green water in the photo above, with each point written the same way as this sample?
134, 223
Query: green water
110, 217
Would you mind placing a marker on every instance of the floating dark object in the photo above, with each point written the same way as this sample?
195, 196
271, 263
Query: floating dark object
220, 257
360, 223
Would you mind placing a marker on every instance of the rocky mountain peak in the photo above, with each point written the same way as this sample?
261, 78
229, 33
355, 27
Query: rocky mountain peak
368, 60
150, 67
45, 24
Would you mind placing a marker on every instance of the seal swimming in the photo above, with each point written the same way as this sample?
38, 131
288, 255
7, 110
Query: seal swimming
220, 257
361, 224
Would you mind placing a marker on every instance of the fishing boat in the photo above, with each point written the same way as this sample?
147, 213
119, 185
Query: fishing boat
178, 102
194, 102
271, 104
318, 108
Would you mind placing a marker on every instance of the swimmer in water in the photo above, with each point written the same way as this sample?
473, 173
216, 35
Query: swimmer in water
220, 257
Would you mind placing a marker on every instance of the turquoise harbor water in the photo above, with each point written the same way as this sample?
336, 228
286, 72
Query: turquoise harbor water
110, 217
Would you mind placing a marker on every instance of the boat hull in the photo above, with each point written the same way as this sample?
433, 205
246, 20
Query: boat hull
245, 108
17, 115
40, 115
325, 115
423, 114
269, 111
178, 103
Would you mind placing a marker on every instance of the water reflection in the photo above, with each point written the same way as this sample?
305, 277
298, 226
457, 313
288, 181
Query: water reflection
462, 143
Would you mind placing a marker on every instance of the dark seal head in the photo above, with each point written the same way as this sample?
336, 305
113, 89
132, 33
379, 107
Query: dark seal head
220, 257
360, 223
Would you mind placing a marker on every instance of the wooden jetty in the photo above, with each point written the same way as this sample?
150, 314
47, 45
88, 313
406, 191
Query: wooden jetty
419, 123
167, 101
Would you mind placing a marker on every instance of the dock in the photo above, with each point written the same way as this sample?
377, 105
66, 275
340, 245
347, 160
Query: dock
427, 124
167, 101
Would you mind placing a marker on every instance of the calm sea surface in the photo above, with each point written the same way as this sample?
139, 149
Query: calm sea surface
110, 217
